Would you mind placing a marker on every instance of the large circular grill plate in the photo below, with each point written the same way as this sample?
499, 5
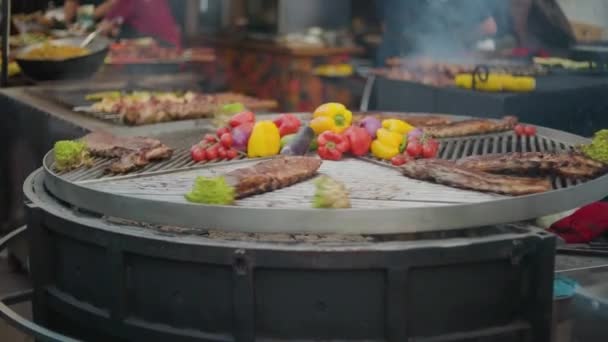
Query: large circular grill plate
384, 202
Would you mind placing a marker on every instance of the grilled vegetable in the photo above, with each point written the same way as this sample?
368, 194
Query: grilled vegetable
397, 126
359, 140
339, 115
332, 146
287, 124
241, 118
240, 136
265, 140
371, 124
70, 155
330, 194
298, 144
211, 191
598, 149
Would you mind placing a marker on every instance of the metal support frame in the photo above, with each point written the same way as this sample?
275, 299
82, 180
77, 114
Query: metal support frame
19, 322
6, 28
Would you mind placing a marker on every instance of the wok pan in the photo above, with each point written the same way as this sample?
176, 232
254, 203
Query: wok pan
66, 69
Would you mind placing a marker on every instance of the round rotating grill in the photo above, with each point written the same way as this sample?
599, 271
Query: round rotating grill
384, 201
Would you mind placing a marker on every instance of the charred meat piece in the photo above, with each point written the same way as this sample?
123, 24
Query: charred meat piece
132, 152
272, 174
471, 127
571, 165
450, 174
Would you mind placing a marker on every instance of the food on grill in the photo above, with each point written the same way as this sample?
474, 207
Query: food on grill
359, 141
287, 124
450, 174
371, 125
112, 94
70, 155
132, 152
571, 165
331, 145
298, 144
423, 147
525, 130
262, 177
387, 144
331, 116
330, 194
139, 108
147, 50
496, 82
397, 126
598, 149
50, 51
471, 127
265, 140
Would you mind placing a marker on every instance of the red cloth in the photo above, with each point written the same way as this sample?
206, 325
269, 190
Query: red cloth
585, 225
148, 17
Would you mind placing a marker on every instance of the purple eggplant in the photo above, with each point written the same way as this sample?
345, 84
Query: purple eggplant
300, 144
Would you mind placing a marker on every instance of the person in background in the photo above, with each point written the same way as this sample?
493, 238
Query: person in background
142, 18
540, 23
70, 8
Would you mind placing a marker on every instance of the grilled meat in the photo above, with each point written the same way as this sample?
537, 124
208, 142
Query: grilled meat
450, 174
571, 165
422, 120
132, 152
471, 127
272, 174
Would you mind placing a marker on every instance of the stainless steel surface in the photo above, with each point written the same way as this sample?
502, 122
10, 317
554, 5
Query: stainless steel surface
384, 202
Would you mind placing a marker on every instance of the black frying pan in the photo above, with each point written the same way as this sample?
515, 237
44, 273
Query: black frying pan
67, 69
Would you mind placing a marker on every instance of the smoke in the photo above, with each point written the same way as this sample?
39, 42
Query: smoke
443, 28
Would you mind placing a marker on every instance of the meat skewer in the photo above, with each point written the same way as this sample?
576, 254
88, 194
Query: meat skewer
450, 174
132, 152
571, 165
471, 127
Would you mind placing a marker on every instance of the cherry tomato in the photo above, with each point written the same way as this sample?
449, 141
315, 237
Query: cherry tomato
222, 130
212, 152
221, 152
530, 130
231, 154
414, 149
226, 140
519, 129
210, 138
433, 143
398, 160
429, 151
198, 153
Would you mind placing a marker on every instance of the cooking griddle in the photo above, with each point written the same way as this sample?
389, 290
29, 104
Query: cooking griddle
384, 201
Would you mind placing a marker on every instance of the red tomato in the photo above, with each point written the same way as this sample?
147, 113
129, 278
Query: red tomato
220, 131
399, 160
198, 153
519, 129
210, 138
530, 130
226, 140
221, 152
231, 154
414, 149
429, 151
212, 152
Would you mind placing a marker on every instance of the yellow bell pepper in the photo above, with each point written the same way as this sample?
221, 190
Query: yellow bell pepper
264, 141
339, 115
497, 82
383, 151
322, 124
387, 144
389, 138
397, 126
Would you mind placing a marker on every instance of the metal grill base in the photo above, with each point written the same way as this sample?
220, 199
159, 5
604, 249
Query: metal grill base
126, 283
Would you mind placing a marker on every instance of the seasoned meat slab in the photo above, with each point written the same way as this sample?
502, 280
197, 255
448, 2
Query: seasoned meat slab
132, 152
272, 174
471, 127
569, 164
448, 173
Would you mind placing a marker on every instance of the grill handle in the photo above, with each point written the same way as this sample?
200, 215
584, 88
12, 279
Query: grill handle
20, 323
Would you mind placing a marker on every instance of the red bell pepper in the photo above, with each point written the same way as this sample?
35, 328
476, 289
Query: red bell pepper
359, 140
332, 145
241, 118
287, 124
